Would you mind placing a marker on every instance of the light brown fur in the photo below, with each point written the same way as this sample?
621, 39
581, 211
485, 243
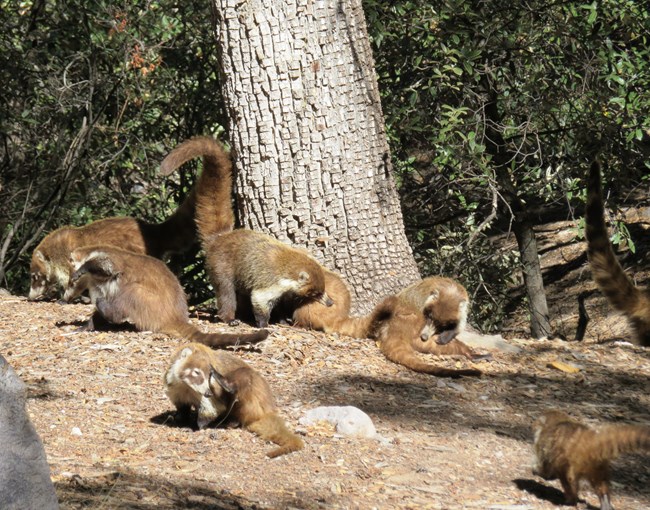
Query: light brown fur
141, 290
50, 269
571, 451
398, 328
191, 382
607, 271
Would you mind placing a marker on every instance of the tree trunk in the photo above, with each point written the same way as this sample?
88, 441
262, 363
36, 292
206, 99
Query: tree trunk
540, 325
307, 131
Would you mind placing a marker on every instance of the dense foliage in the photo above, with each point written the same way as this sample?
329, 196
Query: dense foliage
496, 108
493, 108
94, 94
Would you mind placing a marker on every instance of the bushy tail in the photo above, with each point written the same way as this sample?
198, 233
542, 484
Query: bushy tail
403, 354
216, 340
214, 214
605, 267
616, 440
273, 428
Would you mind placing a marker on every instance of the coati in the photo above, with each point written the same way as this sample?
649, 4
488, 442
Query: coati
399, 328
606, 270
220, 385
571, 451
49, 266
141, 290
243, 263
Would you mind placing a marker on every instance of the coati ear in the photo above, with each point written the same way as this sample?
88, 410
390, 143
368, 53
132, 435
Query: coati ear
304, 276
185, 353
433, 297
39, 255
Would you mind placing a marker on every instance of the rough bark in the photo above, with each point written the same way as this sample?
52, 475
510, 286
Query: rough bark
307, 131
24, 474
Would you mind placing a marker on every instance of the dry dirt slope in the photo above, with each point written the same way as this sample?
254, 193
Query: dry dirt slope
97, 401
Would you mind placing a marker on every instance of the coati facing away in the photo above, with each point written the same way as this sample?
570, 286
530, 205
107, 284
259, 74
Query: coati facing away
128, 287
571, 451
399, 328
244, 263
220, 385
605, 267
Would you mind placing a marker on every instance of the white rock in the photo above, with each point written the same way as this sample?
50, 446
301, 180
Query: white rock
348, 420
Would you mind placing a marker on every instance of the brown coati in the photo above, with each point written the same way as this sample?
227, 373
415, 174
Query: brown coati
446, 303
141, 290
243, 265
606, 270
50, 269
571, 451
221, 386
398, 327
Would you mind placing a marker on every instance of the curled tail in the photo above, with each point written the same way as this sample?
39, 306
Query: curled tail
273, 428
403, 354
217, 340
214, 214
616, 440
605, 267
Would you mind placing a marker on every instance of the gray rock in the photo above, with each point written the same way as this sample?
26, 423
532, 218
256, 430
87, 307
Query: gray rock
24, 474
492, 342
348, 420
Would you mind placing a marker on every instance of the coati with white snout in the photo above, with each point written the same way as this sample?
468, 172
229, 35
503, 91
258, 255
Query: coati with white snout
403, 331
244, 264
219, 385
141, 290
50, 269
606, 270
571, 451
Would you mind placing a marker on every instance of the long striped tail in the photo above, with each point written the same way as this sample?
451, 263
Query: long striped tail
273, 428
217, 340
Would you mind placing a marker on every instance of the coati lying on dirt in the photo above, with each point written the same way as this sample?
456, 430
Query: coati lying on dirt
606, 270
571, 451
50, 269
243, 264
219, 385
141, 290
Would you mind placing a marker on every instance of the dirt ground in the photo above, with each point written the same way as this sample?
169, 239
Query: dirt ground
97, 400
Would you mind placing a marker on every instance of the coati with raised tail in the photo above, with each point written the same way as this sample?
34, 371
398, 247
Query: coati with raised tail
50, 269
570, 451
400, 329
219, 385
606, 270
141, 290
243, 264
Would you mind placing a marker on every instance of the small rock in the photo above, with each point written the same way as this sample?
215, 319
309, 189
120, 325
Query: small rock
348, 420
76, 431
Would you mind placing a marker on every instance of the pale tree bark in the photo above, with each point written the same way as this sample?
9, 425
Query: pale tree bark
307, 133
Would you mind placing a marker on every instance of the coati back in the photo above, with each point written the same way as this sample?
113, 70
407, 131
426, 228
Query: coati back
605, 267
398, 328
220, 385
128, 287
570, 451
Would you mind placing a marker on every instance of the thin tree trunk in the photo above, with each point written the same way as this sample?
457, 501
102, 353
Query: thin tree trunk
307, 132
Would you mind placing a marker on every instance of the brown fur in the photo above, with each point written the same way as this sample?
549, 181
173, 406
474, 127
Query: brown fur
331, 319
262, 269
606, 270
571, 451
236, 390
50, 269
128, 287
214, 214
398, 327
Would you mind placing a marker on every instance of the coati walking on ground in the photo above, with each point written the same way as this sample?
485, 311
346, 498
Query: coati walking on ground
50, 268
606, 270
243, 263
141, 290
220, 385
571, 451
